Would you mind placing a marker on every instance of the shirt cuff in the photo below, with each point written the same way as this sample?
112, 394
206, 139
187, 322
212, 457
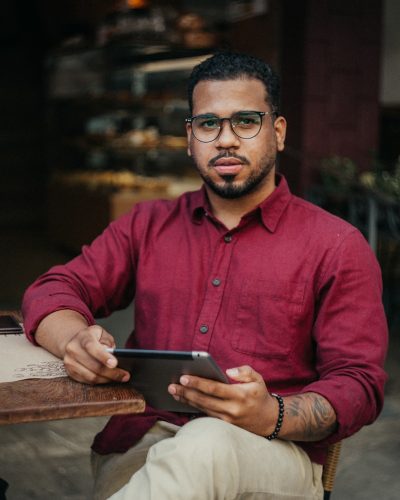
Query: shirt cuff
40, 308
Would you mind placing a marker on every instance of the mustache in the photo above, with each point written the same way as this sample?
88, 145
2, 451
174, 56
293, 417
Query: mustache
227, 154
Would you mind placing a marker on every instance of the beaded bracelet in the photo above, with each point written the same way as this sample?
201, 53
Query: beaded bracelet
278, 426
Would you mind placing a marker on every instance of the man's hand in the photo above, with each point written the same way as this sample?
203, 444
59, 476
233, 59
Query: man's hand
86, 359
246, 404
66, 334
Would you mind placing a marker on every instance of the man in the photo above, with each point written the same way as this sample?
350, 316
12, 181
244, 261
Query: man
286, 297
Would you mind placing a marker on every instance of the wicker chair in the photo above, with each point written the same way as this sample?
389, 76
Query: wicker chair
329, 471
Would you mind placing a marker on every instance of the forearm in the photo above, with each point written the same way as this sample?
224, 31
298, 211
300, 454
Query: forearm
307, 417
57, 329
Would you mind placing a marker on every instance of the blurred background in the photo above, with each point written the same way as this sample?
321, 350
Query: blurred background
93, 101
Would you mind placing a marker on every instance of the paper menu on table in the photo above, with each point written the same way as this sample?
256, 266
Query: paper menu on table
19, 359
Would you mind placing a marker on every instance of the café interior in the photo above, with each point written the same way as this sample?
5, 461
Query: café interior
93, 103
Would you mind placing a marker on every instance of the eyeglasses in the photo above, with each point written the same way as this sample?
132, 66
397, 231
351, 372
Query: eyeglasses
245, 124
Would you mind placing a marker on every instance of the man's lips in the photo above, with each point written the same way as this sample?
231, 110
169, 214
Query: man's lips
228, 166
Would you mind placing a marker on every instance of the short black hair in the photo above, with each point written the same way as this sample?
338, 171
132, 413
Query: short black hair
231, 66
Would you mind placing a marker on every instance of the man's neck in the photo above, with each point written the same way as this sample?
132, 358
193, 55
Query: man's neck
231, 211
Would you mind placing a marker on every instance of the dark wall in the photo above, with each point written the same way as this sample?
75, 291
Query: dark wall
22, 164
331, 70
27, 31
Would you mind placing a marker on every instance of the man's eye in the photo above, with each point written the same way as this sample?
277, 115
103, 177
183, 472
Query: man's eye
209, 123
245, 121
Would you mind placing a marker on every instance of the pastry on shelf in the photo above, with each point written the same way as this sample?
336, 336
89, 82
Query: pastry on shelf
109, 180
146, 138
173, 142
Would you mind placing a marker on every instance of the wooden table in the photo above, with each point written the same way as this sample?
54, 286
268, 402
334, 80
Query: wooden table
36, 400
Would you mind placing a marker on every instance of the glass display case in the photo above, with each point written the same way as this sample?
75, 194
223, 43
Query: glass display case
105, 115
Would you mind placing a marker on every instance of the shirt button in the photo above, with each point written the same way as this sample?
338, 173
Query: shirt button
216, 282
228, 238
204, 328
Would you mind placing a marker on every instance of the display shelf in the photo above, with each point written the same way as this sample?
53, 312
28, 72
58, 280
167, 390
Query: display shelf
110, 119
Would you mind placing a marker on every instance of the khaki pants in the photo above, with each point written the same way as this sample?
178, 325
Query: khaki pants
207, 459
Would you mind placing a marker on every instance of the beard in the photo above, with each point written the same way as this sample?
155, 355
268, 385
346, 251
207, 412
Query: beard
230, 189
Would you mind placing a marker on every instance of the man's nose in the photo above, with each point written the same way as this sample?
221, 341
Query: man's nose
227, 137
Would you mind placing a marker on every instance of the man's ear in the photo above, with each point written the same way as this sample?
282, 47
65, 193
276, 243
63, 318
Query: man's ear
280, 132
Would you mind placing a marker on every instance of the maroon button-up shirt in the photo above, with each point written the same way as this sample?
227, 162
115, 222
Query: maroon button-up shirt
292, 291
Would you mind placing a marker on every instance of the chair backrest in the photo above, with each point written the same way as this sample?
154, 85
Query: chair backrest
329, 471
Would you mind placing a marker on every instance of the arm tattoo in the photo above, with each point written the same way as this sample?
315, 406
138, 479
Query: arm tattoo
313, 418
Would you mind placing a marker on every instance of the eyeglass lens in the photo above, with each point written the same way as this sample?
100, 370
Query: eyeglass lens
245, 125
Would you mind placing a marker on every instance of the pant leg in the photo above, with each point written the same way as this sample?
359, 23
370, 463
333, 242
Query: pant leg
111, 472
209, 459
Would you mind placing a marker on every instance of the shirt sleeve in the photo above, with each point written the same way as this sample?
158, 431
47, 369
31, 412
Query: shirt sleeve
351, 336
101, 279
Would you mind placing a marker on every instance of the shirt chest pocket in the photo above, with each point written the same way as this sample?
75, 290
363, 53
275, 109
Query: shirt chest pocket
267, 318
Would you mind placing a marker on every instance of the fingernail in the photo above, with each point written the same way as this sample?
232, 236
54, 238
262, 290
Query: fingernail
126, 377
232, 372
184, 380
111, 362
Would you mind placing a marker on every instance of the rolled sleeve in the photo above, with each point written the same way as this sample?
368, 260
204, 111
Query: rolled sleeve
94, 284
37, 306
351, 337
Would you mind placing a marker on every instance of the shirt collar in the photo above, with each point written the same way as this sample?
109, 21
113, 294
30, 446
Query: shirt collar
271, 209
201, 205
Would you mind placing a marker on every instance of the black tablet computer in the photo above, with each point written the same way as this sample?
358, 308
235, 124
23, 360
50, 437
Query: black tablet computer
152, 372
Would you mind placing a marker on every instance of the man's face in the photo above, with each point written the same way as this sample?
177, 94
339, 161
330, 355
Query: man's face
230, 166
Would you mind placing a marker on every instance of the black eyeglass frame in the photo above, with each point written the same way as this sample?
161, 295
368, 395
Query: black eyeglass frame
261, 114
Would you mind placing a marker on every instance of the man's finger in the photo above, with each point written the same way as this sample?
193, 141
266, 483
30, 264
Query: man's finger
81, 373
203, 401
207, 386
95, 343
79, 362
244, 374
